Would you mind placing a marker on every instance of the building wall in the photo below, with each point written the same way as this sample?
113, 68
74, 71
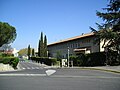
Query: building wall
82, 43
101, 45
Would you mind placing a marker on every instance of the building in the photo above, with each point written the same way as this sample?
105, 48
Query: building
76, 45
6, 49
15, 52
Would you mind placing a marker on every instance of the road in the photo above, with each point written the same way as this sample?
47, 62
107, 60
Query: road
34, 76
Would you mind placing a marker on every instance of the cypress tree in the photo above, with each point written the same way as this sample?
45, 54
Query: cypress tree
45, 46
39, 49
29, 52
33, 52
41, 45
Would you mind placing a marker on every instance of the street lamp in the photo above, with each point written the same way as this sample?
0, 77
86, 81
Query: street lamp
68, 56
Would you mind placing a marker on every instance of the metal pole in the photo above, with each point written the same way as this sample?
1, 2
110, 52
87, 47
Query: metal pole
68, 56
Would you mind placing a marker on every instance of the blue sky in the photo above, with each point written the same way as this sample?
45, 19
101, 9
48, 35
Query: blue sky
57, 19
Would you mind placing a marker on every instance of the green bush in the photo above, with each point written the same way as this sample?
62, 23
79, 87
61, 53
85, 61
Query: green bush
53, 60
113, 58
6, 55
6, 60
75, 60
45, 60
92, 59
1, 59
13, 61
96, 59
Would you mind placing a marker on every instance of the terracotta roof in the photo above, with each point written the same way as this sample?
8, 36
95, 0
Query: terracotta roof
73, 38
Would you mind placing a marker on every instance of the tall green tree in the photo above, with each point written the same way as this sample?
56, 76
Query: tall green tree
109, 31
33, 52
41, 46
7, 33
45, 46
29, 52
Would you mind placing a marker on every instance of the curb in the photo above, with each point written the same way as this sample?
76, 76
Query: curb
107, 70
89, 68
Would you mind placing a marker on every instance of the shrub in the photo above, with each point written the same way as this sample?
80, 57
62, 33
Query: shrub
75, 60
7, 55
53, 60
45, 60
113, 58
93, 59
6, 60
96, 59
1, 59
13, 61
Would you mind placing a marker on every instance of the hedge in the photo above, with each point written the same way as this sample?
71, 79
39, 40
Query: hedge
45, 60
96, 59
93, 59
13, 61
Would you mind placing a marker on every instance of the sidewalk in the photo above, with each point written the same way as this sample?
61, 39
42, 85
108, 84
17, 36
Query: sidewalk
115, 69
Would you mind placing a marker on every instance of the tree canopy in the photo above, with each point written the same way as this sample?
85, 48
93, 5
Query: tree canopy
42, 46
7, 33
109, 30
23, 52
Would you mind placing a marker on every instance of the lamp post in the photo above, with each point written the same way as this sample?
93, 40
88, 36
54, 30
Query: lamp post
68, 56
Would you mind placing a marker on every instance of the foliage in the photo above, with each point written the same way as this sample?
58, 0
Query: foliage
45, 46
42, 46
93, 59
23, 52
112, 58
75, 60
96, 59
39, 48
13, 61
58, 56
7, 33
45, 60
82, 59
33, 52
29, 52
6, 55
110, 31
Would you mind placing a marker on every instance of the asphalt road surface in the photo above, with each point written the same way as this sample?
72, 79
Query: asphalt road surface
34, 76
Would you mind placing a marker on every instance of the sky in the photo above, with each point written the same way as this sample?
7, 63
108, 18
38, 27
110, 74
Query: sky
57, 19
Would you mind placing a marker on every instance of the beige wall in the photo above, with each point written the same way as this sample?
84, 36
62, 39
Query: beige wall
75, 44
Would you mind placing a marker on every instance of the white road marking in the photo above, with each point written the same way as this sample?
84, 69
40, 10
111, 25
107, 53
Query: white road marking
33, 67
22, 74
28, 68
50, 72
37, 68
23, 68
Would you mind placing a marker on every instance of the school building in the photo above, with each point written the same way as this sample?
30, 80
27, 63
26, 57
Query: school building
75, 45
